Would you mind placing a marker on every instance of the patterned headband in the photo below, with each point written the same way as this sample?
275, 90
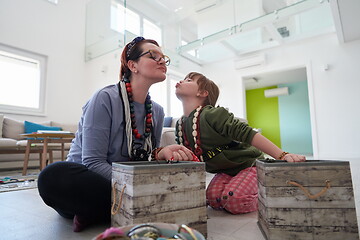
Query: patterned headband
132, 44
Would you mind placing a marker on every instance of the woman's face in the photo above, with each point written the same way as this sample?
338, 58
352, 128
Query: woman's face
152, 64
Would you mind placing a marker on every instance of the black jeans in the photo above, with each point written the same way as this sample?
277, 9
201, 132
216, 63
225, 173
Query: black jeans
72, 189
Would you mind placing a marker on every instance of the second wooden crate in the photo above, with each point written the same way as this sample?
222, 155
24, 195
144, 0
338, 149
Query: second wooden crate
309, 200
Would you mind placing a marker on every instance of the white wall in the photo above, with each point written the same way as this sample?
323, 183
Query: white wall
334, 94
57, 31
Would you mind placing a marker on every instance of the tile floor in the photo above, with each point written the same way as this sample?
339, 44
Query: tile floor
25, 216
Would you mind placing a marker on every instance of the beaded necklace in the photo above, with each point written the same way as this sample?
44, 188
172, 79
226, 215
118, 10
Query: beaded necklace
182, 138
136, 153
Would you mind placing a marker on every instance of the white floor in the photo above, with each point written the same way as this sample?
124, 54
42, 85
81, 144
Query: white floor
25, 216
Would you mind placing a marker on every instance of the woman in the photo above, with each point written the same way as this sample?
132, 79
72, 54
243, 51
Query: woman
228, 147
119, 123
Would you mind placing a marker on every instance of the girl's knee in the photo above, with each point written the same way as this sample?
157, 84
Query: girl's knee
242, 205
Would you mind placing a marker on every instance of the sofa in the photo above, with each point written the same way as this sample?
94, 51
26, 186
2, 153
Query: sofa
13, 145
168, 132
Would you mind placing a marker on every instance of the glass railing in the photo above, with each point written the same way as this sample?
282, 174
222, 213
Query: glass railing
300, 20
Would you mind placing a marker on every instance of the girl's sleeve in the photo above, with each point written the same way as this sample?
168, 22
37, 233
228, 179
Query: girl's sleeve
227, 125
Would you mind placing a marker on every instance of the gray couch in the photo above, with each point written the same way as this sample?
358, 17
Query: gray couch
12, 145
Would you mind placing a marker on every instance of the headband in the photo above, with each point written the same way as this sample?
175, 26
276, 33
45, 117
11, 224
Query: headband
131, 45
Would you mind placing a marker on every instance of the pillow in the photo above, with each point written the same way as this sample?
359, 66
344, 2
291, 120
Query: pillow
31, 127
1, 124
167, 121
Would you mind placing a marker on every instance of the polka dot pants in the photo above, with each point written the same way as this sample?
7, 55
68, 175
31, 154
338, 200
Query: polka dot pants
238, 194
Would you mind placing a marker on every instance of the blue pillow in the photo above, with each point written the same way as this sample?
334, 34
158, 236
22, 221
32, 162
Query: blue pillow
34, 127
167, 121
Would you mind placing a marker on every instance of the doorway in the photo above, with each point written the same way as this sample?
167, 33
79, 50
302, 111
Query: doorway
282, 117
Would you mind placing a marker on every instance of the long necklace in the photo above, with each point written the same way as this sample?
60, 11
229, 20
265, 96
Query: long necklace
182, 138
136, 153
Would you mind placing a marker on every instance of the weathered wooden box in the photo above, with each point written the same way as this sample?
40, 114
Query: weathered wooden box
160, 192
309, 200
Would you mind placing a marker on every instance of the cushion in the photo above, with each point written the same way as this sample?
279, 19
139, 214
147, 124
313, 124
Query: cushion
168, 137
7, 142
12, 128
66, 127
31, 127
1, 124
167, 121
46, 123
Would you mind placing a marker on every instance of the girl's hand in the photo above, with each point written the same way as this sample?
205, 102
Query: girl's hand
290, 157
175, 152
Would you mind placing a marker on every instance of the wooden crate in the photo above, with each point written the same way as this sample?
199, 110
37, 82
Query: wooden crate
168, 193
286, 212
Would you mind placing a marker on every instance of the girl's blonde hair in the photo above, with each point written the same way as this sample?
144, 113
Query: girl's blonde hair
206, 84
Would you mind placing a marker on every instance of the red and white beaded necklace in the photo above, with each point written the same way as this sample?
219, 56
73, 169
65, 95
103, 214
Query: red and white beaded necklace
130, 123
182, 138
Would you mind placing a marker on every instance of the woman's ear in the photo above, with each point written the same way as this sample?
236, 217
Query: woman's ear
132, 66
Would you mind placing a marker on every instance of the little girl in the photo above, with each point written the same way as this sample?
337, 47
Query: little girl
228, 146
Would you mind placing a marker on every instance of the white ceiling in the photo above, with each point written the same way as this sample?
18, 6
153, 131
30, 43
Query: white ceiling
347, 18
345, 13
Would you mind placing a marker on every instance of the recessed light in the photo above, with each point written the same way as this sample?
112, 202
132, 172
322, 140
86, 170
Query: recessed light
53, 1
178, 9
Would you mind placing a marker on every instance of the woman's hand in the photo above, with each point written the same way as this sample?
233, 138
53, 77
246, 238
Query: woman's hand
290, 157
175, 152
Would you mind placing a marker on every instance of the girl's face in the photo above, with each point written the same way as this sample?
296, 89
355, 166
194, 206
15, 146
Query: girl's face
187, 87
152, 63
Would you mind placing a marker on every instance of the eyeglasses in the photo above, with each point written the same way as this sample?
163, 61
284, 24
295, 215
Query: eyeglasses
156, 56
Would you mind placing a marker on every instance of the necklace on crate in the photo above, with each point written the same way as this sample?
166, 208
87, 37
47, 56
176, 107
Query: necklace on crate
182, 138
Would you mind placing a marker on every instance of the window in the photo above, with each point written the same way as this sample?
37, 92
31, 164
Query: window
152, 31
159, 94
164, 94
22, 77
122, 19
176, 109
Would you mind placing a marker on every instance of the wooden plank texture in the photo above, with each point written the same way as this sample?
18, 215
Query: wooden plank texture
308, 216
307, 233
195, 218
171, 193
156, 182
286, 212
314, 176
294, 197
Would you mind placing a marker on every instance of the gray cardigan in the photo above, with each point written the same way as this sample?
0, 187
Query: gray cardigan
101, 137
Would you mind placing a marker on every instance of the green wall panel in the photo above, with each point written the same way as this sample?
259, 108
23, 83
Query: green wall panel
264, 113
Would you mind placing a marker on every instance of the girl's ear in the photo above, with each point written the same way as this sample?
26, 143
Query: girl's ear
203, 93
